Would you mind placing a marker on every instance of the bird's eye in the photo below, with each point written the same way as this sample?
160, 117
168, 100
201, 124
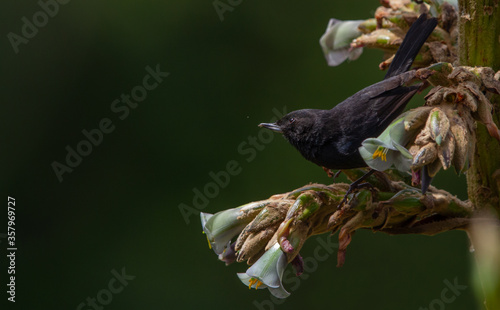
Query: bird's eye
292, 120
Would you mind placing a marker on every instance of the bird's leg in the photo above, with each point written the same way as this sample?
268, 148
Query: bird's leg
328, 171
337, 175
356, 185
331, 174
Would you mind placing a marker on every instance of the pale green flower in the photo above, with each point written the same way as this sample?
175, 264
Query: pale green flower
336, 41
223, 226
267, 272
388, 149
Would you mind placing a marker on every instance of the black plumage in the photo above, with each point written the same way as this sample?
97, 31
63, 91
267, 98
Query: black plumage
331, 138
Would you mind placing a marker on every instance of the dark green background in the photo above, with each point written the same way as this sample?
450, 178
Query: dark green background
119, 207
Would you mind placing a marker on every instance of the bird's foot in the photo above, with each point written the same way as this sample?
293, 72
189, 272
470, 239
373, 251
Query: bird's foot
355, 186
328, 171
331, 174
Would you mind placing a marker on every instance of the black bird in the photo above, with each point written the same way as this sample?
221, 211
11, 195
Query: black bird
331, 138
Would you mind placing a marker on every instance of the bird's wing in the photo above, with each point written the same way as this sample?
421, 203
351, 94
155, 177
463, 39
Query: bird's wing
376, 107
388, 105
377, 90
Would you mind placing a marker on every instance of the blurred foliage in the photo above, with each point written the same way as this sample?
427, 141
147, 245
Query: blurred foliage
119, 207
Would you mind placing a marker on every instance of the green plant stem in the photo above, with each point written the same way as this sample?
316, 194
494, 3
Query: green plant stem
479, 45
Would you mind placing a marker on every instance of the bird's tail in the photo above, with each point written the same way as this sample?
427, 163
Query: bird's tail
416, 36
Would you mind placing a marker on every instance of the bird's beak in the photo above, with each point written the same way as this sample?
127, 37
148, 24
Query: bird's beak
271, 126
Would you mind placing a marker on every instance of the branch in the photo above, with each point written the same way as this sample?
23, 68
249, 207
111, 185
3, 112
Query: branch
390, 206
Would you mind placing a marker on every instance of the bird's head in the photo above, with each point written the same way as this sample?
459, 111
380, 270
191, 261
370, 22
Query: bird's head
295, 125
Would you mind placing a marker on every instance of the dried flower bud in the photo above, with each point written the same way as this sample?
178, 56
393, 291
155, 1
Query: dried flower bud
380, 38
435, 96
423, 138
466, 98
416, 118
489, 80
483, 114
254, 245
439, 51
438, 125
446, 151
257, 233
462, 140
440, 72
425, 155
464, 74
370, 25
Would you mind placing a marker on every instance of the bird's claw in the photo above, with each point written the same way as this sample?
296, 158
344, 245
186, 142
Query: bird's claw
331, 174
353, 188
328, 171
